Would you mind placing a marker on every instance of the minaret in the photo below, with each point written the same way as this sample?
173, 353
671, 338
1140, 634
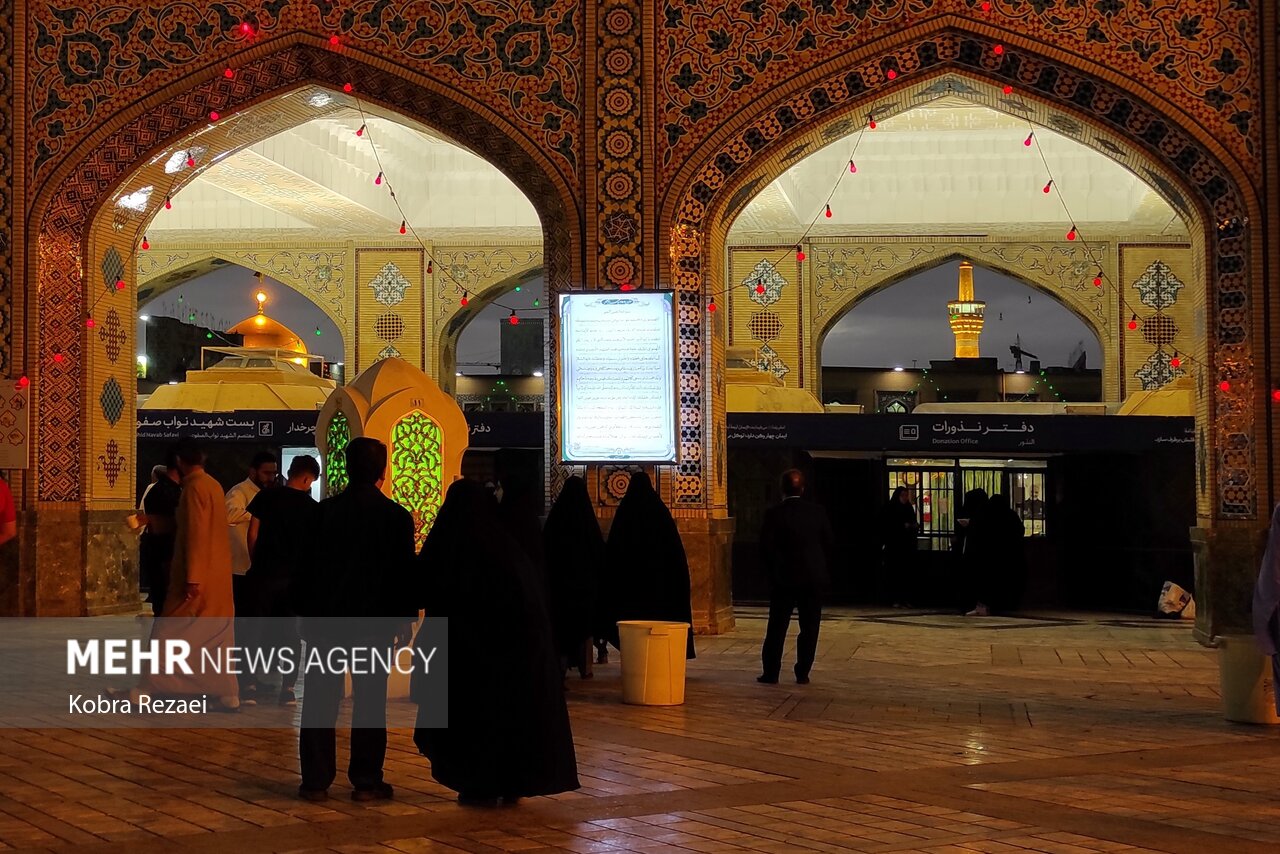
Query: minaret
966, 316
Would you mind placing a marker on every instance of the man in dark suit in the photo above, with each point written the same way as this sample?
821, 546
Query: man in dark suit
796, 542
357, 589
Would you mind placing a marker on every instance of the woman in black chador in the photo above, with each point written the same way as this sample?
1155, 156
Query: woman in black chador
508, 734
1006, 559
574, 556
900, 527
973, 545
646, 558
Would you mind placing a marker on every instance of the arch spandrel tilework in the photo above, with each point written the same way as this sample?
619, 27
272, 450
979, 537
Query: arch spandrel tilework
520, 60
716, 60
317, 272
1217, 201
64, 211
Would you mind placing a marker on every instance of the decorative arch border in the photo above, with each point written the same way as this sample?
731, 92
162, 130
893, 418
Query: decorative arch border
1218, 200
66, 206
1032, 278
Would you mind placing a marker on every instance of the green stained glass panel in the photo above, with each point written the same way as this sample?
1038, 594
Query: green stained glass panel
335, 463
417, 469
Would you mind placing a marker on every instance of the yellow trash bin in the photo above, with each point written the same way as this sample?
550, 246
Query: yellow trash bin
653, 662
1248, 689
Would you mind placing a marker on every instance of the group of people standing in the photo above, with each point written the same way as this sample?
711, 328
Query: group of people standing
640, 572
524, 602
987, 547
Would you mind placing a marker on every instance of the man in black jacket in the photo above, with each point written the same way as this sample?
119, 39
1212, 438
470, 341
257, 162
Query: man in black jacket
357, 590
796, 542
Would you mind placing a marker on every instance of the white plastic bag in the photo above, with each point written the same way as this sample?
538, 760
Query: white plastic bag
1173, 600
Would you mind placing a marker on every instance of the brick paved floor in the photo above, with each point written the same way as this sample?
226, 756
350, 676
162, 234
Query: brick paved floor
919, 732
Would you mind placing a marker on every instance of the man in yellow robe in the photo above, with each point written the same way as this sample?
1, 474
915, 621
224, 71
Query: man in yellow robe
199, 608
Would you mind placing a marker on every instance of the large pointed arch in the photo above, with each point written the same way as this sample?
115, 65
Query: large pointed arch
1195, 174
66, 359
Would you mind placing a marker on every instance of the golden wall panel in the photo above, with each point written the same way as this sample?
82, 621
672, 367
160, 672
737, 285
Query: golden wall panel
1159, 289
390, 300
765, 303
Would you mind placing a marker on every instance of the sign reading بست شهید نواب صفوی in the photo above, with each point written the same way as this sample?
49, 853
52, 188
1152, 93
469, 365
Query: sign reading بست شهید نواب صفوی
617, 377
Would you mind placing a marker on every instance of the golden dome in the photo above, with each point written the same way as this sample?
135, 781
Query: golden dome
261, 331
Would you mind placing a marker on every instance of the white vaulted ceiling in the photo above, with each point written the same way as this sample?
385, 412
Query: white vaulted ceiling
317, 179
953, 167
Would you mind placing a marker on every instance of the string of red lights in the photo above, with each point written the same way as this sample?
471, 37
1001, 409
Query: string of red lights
249, 32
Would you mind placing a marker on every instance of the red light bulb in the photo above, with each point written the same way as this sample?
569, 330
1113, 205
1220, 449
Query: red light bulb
360, 132
513, 320
800, 256
625, 286
378, 181
986, 6
1175, 361
429, 267
168, 203
145, 244
334, 41
1097, 281
246, 28
1049, 186
119, 284
348, 88
89, 322
1027, 141
891, 74
1275, 395
1008, 90
464, 301
1071, 235
871, 123
711, 306
1133, 323
403, 226
57, 357
998, 50
852, 168
759, 287
228, 73
1224, 386
191, 162
23, 382
828, 211
214, 115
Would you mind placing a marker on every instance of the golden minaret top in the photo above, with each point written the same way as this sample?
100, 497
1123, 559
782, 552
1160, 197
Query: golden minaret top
967, 316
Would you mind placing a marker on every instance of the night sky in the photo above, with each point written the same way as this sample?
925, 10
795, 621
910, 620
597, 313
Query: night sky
902, 323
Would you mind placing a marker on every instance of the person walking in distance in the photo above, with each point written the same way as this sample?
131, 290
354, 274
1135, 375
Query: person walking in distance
797, 544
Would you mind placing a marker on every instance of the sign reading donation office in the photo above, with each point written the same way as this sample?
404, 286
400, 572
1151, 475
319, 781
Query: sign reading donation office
617, 377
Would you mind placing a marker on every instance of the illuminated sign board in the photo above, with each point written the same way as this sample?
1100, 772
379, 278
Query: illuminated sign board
617, 377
